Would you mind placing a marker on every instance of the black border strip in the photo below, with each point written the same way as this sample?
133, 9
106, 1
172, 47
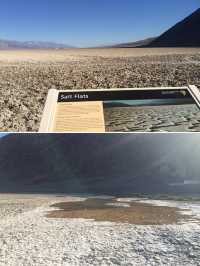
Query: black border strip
87, 96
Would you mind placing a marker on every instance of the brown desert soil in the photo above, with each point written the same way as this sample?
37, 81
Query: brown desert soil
100, 210
27, 75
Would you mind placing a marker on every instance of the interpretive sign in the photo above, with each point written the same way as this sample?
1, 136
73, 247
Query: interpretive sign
123, 110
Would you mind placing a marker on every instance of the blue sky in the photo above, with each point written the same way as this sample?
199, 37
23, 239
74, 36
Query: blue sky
90, 22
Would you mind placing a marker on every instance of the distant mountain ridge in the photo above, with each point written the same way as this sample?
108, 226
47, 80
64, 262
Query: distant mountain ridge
133, 44
9, 44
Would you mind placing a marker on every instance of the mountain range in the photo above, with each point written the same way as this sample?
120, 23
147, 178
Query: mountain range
6, 45
184, 34
139, 43
98, 164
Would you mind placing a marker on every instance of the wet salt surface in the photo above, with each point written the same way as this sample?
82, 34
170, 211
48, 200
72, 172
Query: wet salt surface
29, 238
125, 205
183, 118
113, 210
187, 208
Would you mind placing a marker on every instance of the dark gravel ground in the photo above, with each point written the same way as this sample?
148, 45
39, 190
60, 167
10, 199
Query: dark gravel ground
24, 85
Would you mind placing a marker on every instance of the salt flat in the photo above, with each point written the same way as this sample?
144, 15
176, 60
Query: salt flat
60, 55
27, 75
28, 237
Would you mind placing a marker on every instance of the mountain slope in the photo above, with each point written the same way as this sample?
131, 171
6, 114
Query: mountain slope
184, 34
104, 164
6, 44
134, 44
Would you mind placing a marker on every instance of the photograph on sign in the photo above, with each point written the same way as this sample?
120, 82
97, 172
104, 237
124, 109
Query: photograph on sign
151, 115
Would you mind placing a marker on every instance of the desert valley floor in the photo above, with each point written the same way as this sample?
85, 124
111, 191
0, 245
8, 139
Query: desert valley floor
57, 230
27, 75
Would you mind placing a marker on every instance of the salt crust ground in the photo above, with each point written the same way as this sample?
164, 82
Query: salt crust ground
28, 238
26, 76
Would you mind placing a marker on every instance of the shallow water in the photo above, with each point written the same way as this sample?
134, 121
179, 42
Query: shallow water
126, 210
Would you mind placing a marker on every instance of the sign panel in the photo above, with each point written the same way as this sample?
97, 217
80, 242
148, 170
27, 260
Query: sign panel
123, 110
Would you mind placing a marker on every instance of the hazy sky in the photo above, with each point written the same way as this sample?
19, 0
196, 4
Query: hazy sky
90, 22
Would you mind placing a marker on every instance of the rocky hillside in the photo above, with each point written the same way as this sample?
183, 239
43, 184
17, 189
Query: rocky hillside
183, 34
186, 33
